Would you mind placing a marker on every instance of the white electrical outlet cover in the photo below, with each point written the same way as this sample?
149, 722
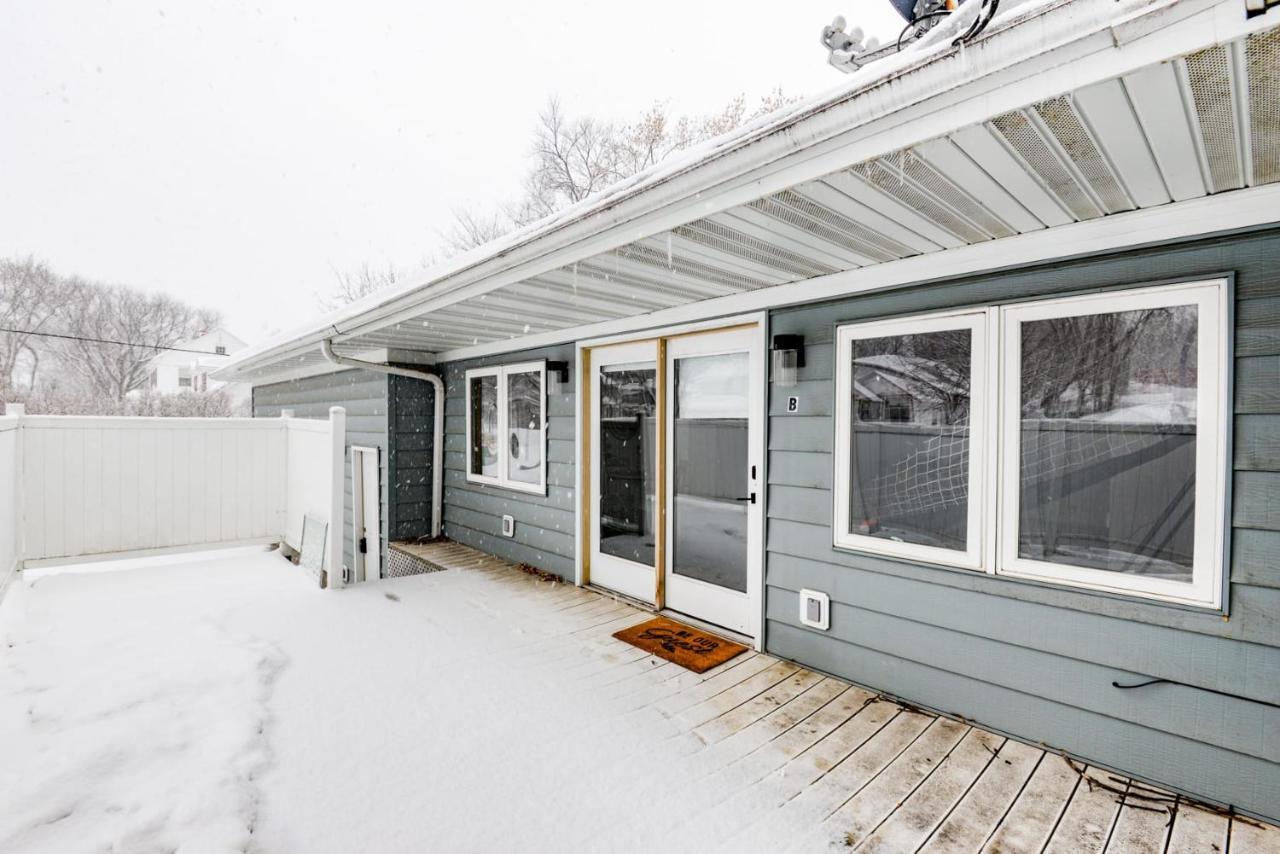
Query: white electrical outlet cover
815, 609
508, 526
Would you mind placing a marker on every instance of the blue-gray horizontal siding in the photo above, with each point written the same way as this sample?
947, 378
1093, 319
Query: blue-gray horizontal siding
364, 396
544, 530
1035, 660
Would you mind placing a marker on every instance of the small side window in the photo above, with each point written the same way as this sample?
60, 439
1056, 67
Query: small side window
506, 426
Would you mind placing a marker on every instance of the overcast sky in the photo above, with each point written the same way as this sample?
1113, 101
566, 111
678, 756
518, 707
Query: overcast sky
234, 154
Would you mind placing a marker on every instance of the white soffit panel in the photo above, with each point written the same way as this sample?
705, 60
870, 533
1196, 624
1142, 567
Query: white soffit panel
904, 241
1206, 77
991, 153
1262, 59
1083, 154
858, 190
1157, 98
949, 159
897, 179
750, 221
1036, 147
1106, 109
753, 249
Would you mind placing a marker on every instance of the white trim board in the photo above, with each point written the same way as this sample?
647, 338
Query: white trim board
1227, 212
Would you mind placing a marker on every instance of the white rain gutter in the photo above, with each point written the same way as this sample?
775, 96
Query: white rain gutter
437, 438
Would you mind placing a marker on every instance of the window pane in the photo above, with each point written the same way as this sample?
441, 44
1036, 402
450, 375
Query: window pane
484, 426
909, 478
1109, 441
710, 472
524, 427
628, 412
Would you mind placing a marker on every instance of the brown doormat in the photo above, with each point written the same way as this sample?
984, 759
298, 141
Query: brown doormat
688, 647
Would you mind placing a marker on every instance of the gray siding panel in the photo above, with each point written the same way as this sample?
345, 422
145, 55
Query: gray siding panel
544, 532
1032, 659
364, 396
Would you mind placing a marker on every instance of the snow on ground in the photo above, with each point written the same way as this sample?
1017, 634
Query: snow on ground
225, 704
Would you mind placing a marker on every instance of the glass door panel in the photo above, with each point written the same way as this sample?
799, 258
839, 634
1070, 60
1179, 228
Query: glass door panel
624, 466
714, 403
628, 422
710, 471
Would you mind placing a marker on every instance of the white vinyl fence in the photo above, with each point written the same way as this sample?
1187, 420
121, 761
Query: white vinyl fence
87, 487
310, 481
8, 498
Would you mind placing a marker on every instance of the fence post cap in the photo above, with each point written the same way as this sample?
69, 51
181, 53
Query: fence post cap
286, 413
16, 409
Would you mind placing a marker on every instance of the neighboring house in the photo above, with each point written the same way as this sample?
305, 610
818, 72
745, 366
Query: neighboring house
179, 369
1079, 213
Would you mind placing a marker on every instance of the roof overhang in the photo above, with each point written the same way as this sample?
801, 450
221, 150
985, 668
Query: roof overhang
1065, 119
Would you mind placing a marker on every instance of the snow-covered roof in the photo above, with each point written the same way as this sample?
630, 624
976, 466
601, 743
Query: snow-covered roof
1061, 111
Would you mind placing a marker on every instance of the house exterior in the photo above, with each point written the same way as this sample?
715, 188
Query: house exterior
180, 369
961, 383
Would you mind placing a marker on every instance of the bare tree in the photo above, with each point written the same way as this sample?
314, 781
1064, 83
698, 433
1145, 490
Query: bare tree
144, 324
30, 296
471, 229
576, 157
358, 284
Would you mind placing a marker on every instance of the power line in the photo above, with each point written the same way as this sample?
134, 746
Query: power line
104, 341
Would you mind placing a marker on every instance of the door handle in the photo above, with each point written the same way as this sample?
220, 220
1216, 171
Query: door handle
751, 498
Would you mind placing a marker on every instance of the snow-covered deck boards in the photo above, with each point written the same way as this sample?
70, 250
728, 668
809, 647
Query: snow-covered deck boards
789, 759
222, 702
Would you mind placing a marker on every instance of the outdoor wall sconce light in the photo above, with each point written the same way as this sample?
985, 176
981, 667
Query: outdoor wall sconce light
788, 358
557, 376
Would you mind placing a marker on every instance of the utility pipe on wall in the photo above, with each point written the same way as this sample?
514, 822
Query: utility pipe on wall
437, 439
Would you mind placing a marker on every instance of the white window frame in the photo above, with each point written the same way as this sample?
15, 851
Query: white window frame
995, 436
1212, 417
503, 480
976, 321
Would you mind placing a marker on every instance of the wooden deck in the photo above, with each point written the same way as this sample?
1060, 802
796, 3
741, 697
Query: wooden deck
819, 763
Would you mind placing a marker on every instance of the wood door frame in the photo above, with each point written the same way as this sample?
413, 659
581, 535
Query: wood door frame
583, 430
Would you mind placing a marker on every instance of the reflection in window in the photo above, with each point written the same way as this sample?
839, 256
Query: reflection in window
1108, 435
628, 412
909, 449
709, 531
483, 397
524, 427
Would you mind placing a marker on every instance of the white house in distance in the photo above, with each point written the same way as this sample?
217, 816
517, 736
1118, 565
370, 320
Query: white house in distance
180, 369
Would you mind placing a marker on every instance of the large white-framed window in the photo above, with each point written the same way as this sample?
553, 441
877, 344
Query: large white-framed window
1079, 441
912, 396
506, 426
1113, 418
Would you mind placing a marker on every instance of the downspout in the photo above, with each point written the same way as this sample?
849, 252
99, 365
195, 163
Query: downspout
437, 439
